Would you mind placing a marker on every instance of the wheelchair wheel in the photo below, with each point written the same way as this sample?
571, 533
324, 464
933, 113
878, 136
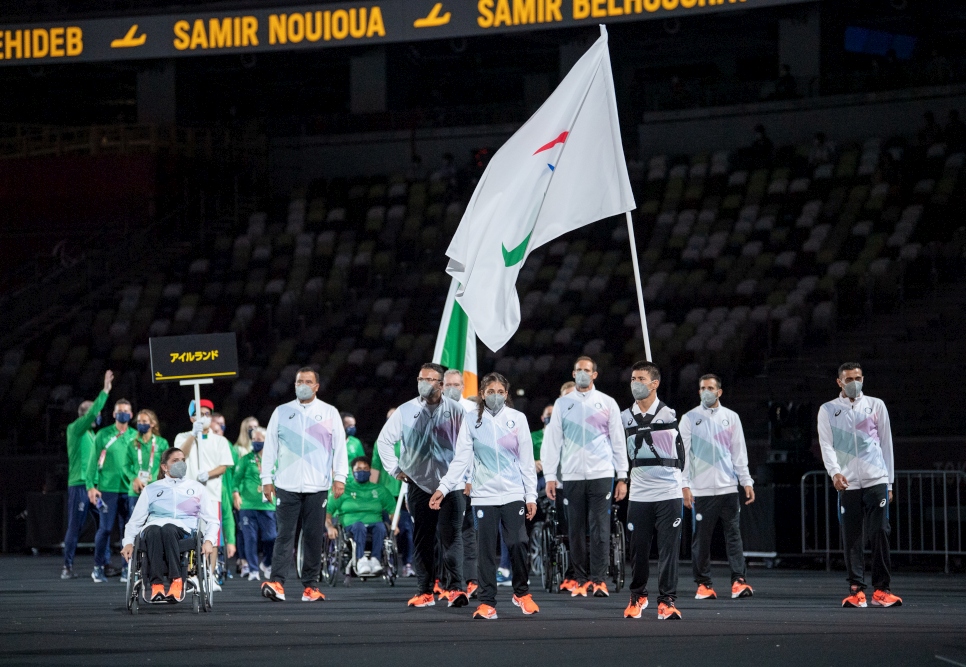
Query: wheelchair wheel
618, 559
560, 562
536, 550
547, 554
205, 574
299, 556
390, 561
132, 589
330, 562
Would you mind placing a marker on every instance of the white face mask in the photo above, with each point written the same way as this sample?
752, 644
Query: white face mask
304, 392
708, 398
453, 393
853, 389
495, 401
178, 469
205, 422
582, 379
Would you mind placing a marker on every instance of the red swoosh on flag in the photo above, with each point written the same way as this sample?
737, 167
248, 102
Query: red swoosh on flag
559, 140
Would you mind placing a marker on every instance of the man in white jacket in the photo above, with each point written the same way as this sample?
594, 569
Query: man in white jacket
856, 439
586, 436
304, 456
717, 465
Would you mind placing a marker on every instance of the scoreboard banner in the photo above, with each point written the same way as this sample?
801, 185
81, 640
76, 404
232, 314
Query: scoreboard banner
328, 25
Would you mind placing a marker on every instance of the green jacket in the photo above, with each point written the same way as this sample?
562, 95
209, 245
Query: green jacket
354, 448
113, 475
537, 437
361, 502
393, 485
227, 508
248, 483
134, 467
80, 442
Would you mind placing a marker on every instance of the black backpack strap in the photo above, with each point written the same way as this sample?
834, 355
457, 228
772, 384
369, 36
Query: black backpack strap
643, 434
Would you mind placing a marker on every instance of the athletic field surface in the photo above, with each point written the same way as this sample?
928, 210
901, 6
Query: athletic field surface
795, 618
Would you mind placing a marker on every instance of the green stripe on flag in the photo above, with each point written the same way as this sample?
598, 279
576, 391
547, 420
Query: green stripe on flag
454, 347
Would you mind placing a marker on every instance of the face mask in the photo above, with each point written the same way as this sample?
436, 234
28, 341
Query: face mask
98, 420
257, 445
708, 398
144, 428
640, 391
122, 417
495, 401
362, 476
304, 392
426, 388
453, 393
178, 469
205, 422
853, 389
546, 421
582, 379
350, 431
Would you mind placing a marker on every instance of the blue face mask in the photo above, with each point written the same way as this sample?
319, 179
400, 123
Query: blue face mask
98, 420
362, 476
123, 417
144, 428
258, 445
350, 431
546, 421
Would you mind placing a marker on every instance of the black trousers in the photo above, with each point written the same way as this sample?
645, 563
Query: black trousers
512, 518
448, 519
865, 513
706, 511
588, 504
643, 519
164, 557
470, 570
310, 508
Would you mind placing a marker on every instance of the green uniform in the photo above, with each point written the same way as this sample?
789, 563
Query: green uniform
537, 437
111, 474
361, 502
385, 479
152, 465
248, 483
227, 508
80, 442
354, 448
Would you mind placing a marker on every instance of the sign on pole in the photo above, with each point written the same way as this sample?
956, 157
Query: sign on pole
186, 359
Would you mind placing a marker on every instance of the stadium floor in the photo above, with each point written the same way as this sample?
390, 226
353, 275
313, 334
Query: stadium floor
794, 619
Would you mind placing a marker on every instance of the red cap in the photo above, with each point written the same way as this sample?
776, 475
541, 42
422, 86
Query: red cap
205, 403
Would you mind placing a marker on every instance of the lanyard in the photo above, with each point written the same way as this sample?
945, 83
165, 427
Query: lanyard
150, 461
103, 456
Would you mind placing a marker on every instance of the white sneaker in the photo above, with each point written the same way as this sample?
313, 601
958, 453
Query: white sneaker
215, 587
193, 580
266, 570
374, 565
363, 567
253, 576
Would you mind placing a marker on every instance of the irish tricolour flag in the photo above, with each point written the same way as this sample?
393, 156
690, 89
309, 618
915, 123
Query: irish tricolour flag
456, 342
562, 170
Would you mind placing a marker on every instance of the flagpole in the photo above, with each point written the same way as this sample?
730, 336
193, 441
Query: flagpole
637, 283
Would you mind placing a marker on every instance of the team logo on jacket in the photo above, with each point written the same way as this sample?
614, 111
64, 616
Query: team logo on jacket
598, 405
868, 411
725, 422
838, 412
447, 414
159, 494
677, 522
511, 424
292, 416
191, 492
318, 418
479, 514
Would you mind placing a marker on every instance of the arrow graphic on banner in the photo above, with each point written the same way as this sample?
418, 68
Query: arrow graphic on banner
434, 20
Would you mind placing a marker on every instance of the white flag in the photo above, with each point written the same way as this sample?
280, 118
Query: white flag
562, 170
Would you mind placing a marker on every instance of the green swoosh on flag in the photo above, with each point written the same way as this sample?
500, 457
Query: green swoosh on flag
515, 256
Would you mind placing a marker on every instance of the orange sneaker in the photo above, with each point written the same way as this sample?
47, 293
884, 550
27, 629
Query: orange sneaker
705, 593
568, 585
457, 599
886, 599
582, 591
667, 612
637, 605
422, 600
312, 595
526, 604
157, 592
600, 590
443, 595
273, 591
437, 590
741, 589
856, 598
485, 612
471, 590
176, 590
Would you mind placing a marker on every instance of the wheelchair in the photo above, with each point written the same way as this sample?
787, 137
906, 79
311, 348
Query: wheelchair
339, 559
194, 568
556, 555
